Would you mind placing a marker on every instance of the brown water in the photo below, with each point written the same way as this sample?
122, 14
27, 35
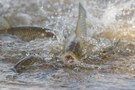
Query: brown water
109, 62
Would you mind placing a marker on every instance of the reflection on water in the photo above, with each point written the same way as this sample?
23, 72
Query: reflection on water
109, 48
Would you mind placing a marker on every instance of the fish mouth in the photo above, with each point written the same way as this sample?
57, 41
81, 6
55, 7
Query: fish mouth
69, 58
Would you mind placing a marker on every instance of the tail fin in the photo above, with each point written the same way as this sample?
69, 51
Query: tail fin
81, 23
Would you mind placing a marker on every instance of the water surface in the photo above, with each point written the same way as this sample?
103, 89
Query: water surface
109, 45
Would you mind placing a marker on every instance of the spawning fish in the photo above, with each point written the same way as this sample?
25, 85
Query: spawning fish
73, 47
28, 33
25, 62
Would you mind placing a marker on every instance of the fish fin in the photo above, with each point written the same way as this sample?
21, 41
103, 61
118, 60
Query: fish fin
81, 23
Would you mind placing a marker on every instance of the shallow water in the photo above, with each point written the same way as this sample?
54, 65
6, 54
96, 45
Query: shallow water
109, 45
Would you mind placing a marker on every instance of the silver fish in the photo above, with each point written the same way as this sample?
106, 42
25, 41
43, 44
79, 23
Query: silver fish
28, 33
73, 47
26, 62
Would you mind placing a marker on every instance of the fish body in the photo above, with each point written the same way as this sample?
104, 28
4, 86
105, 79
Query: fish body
73, 50
28, 33
26, 62
73, 47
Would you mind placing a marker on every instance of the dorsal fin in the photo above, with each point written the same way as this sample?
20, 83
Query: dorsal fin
81, 23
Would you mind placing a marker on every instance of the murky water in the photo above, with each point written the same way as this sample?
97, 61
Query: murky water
109, 45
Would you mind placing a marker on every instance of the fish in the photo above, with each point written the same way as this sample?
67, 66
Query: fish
28, 33
72, 48
74, 44
26, 62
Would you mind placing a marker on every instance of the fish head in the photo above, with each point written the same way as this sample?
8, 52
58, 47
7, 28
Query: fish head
70, 58
73, 50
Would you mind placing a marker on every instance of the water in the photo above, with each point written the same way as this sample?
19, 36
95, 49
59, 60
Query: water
109, 45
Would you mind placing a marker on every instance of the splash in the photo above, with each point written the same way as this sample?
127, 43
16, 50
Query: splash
109, 49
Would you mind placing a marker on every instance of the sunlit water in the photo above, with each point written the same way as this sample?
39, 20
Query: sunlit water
109, 45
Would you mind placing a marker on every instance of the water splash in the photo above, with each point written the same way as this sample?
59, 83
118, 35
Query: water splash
104, 61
